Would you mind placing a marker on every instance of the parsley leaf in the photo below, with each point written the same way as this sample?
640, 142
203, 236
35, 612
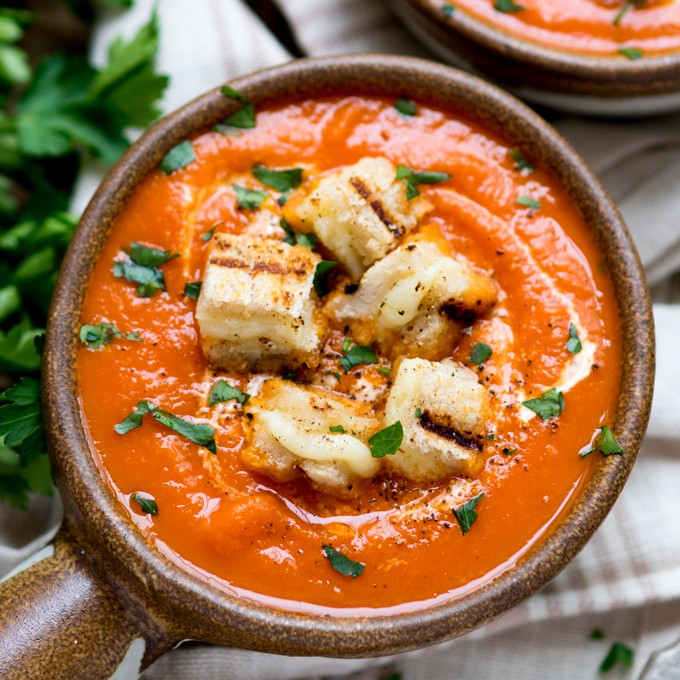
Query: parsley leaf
466, 514
619, 653
343, 564
223, 391
149, 256
337, 429
296, 237
507, 6
21, 421
248, 199
605, 443
280, 180
596, 634
574, 343
359, 354
528, 202
146, 502
244, 118
632, 53
406, 107
142, 268
412, 178
480, 353
549, 405
321, 273
387, 441
203, 435
96, 336
521, 163
192, 289
447, 9
178, 157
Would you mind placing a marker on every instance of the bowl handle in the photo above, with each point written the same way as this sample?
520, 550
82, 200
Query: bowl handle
60, 618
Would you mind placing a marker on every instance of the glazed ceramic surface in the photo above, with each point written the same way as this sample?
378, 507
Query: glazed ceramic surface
566, 81
112, 594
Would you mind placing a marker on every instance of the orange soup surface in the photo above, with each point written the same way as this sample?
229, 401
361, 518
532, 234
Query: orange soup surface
596, 27
265, 540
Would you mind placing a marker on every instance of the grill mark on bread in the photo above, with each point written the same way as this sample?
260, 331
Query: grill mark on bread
467, 441
376, 206
271, 267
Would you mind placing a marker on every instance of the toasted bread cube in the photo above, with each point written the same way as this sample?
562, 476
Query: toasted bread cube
291, 437
412, 300
444, 411
255, 309
359, 213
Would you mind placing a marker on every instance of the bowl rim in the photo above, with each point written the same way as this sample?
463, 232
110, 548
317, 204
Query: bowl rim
194, 607
570, 63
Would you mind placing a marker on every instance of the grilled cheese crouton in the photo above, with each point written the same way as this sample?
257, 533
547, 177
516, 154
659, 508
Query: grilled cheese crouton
255, 309
411, 301
358, 213
443, 411
291, 437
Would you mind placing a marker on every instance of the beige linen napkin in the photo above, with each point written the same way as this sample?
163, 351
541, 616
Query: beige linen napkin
627, 580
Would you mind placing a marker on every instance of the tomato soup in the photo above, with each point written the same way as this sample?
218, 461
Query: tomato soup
551, 338
621, 28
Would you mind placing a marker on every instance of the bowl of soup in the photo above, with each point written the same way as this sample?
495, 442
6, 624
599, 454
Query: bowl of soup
346, 358
617, 58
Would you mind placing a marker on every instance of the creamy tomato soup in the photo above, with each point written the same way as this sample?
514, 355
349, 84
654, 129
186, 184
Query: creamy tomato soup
622, 28
404, 338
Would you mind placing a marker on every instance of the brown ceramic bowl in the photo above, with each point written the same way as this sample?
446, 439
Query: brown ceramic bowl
562, 80
101, 593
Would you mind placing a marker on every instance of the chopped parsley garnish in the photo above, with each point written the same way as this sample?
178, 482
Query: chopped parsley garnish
192, 289
148, 504
178, 157
418, 412
387, 441
490, 437
208, 234
528, 202
632, 53
507, 451
150, 257
406, 107
605, 443
297, 237
638, 4
385, 369
447, 9
320, 280
343, 564
549, 405
412, 178
618, 654
203, 435
223, 391
142, 268
466, 514
337, 429
507, 6
280, 180
98, 335
249, 199
521, 163
574, 343
346, 344
596, 634
359, 354
480, 353
244, 118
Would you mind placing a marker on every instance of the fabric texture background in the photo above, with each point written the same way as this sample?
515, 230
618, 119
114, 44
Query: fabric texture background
627, 579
